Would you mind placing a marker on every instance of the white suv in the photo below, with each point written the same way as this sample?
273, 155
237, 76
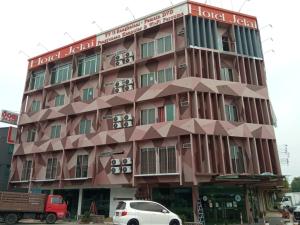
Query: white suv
138, 212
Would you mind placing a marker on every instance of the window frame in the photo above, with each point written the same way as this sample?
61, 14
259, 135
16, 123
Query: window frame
51, 169
37, 80
155, 45
237, 156
55, 71
35, 106
86, 97
60, 99
82, 166
231, 111
31, 135
55, 131
84, 129
166, 114
26, 170
156, 76
147, 109
87, 59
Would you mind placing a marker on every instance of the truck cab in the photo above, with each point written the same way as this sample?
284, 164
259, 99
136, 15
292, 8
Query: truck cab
56, 205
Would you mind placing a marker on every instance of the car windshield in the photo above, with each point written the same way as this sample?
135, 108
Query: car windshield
121, 205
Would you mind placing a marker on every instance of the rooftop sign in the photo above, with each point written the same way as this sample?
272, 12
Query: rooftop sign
9, 117
144, 23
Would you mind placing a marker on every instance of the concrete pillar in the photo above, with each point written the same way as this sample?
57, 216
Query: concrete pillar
79, 203
195, 197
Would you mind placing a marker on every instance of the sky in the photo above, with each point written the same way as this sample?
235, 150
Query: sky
32, 26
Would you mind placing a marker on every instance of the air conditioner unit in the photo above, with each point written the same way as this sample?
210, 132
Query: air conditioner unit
186, 145
127, 123
118, 89
127, 60
182, 66
128, 87
115, 162
184, 103
181, 32
126, 161
128, 81
117, 118
119, 62
115, 170
126, 169
117, 125
127, 117
118, 57
129, 54
119, 83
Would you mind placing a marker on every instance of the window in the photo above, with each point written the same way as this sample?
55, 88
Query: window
37, 80
59, 100
148, 49
237, 159
148, 161
56, 200
167, 160
158, 160
160, 76
82, 166
170, 112
226, 74
147, 79
26, 171
88, 94
147, 116
164, 44
31, 135
121, 206
158, 46
225, 43
147, 206
231, 113
88, 65
35, 106
60, 74
85, 126
51, 168
55, 131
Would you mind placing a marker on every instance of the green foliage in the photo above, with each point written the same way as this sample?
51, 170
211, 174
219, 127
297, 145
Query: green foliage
286, 184
86, 218
295, 185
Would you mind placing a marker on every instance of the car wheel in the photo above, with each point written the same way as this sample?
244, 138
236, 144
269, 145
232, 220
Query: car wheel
51, 218
174, 222
133, 222
11, 218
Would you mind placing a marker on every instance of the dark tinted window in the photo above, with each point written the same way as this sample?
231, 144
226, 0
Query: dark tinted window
146, 206
121, 206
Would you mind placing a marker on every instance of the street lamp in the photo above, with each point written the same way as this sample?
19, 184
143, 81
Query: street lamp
67, 34
94, 22
127, 9
243, 4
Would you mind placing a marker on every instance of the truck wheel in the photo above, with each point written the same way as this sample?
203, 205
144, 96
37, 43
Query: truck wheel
51, 218
11, 218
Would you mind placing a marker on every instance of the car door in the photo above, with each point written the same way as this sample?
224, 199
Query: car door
158, 214
142, 212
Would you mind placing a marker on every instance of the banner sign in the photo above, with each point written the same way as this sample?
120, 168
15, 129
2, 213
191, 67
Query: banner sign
11, 135
222, 15
9, 117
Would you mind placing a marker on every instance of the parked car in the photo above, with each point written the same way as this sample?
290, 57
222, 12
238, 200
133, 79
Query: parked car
296, 214
138, 212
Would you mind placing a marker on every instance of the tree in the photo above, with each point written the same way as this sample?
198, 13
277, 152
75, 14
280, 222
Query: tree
295, 185
286, 184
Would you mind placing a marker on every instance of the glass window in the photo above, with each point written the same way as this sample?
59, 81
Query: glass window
59, 100
148, 161
169, 74
231, 113
88, 94
89, 65
56, 200
167, 160
26, 171
164, 44
82, 166
160, 45
147, 116
51, 168
154, 207
85, 126
237, 159
60, 74
170, 112
148, 49
31, 135
161, 76
55, 131
226, 74
37, 80
121, 206
35, 107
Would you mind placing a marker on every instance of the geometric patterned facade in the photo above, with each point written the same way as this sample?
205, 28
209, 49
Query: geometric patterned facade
204, 41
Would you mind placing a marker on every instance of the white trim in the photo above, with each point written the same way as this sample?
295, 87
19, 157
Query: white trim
44, 180
19, 181
157, 174
78, 178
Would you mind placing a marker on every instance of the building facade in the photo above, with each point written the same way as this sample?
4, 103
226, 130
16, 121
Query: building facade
172, 107
6, 152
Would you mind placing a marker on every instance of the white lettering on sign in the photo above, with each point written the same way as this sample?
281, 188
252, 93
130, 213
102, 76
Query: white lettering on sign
142, 24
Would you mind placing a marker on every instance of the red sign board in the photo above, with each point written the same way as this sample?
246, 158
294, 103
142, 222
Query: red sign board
9, 117
11, 135
222, 15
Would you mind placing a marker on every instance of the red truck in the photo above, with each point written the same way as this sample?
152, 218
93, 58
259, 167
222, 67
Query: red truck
15, 206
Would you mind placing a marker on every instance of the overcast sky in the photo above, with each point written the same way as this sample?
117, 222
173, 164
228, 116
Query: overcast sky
25, 24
